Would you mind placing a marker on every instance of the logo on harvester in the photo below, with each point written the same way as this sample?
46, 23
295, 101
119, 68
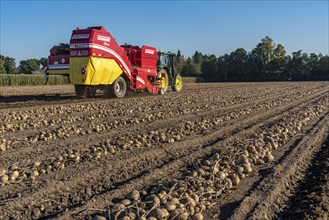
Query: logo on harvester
79, 53
80, 36
149, 51
103, 38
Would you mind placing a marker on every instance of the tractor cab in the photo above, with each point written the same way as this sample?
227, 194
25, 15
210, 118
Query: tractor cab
166, 60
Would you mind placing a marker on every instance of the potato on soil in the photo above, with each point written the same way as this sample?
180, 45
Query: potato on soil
4, 178
134, 195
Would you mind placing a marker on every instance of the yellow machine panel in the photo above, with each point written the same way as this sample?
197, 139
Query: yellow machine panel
59, 72
93, 71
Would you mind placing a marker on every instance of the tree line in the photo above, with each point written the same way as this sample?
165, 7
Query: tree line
8, 65
266, 62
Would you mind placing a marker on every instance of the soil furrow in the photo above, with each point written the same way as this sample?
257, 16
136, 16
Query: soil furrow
107, 200
272, 191
194, 146
61, 95
52, 146
185, 161
310, 198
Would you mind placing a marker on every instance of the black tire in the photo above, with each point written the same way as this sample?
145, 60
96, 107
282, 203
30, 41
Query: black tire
119, 88
178, 83
80, 91
108, 93
91, 92
83, 91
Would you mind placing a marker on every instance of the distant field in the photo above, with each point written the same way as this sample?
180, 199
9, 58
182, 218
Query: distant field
37, 80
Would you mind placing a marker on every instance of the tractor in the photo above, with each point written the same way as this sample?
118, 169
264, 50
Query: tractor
167, 72
98, 62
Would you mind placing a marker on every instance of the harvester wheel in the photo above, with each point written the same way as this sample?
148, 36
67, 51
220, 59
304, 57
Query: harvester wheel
178, 83
164, 81
80, 91
91, 92
119, 88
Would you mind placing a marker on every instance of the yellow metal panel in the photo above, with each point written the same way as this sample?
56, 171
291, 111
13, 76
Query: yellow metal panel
76, 64
59, 72
99, 71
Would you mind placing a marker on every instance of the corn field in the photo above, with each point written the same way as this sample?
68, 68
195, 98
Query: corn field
31, 80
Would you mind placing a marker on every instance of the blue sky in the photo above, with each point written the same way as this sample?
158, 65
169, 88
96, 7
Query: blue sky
30, 28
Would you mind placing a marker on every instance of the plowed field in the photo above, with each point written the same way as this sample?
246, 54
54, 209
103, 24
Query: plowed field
212, 151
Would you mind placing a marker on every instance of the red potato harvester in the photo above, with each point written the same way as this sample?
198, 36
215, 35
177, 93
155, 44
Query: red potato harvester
96, 61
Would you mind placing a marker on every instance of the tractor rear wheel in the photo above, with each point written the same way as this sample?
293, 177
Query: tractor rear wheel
163, 75
178, 83
119, 88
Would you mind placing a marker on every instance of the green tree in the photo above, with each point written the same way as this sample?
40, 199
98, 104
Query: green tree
297, 68
63, 48
237, 65
266, 62
323, 72
197, 57
179, 56
9, 64
2, 66
262, 56
43, 62
223, 68
209, 67
313, 66
29, 65
190, 68
278, 65
180, 62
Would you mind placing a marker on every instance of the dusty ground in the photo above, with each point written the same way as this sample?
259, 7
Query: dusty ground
213, 151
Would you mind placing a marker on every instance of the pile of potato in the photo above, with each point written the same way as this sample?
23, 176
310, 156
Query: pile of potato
188, 197
4, 144
63, 128
259, 152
